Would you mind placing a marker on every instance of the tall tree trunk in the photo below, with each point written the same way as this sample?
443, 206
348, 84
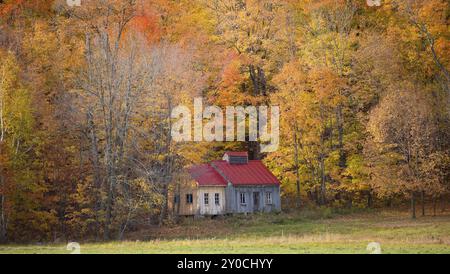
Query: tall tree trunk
413, 205
110, 162
254, 150
108, 214
178, 205
2, 179
322, 181
297, 167
369, 198
258, 78
389, 202
3, 227
96, 167
168, 165
262, 81
109, 190
107, 77
349, 201
254, 79
340, 128
436, 58
434, 205
2, 126
164, 209
422, 201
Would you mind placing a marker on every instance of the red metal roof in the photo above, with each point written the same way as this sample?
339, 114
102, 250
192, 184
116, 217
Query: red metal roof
205, 175
237, 153
218, 173
252, 173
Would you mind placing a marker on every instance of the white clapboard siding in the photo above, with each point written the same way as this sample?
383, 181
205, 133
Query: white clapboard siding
211, 208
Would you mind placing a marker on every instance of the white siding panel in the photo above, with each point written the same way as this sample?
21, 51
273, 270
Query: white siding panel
211, 208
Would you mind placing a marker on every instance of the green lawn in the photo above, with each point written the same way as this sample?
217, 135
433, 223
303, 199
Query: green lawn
305, 232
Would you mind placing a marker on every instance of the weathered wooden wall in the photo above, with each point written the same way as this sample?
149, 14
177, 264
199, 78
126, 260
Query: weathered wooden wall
233, 199
185, 208
229, 199
198, 206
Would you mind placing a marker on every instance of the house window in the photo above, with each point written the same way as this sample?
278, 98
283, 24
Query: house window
176, 199
269, 198
189, 198
206, 198
243, 198
217, 199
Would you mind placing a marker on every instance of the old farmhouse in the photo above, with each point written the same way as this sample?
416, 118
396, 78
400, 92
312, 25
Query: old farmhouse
231, 185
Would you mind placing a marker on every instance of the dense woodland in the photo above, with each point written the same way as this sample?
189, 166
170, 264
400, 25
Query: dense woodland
86, 94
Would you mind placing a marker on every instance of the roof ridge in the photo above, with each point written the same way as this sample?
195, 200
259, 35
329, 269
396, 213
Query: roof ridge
255, 172
220, 172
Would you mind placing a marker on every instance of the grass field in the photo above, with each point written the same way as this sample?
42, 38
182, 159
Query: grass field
304, 232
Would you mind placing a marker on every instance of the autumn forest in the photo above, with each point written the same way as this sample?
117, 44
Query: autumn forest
86, 94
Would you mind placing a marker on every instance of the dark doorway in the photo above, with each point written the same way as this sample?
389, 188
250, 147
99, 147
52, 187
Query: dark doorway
255, 201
